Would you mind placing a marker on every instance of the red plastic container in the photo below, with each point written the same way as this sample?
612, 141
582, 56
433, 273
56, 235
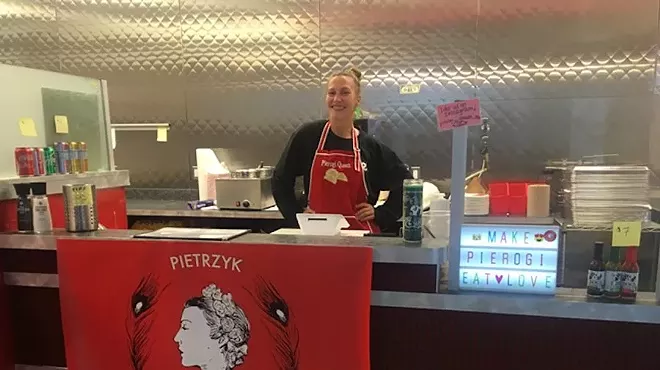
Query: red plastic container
509, 198
499, 198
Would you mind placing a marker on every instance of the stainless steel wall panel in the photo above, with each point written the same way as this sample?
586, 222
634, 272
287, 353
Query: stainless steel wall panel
654, 139
256, 42
252, 70
153, 164
28, 34
107, 36
550, 49
526, 133
136, 46
559, 79
395, 43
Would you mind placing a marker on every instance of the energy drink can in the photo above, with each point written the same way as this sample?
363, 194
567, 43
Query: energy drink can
51, 160
82, 154
24, 160
39, 161
74, 155
63, 160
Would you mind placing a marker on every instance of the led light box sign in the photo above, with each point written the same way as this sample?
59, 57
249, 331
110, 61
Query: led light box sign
509, 258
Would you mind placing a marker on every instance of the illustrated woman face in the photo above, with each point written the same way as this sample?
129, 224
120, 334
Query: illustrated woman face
194, 339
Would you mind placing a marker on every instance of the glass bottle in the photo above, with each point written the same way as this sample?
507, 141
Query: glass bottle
596, 274
413, 203
630, 276
612, 289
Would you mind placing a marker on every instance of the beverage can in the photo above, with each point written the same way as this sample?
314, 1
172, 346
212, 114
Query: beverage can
51, 160
24, 160
63, 160
82, 154
39, 161
74, 155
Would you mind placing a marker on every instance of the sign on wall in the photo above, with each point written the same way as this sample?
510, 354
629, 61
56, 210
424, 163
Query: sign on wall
509, 258
175, 305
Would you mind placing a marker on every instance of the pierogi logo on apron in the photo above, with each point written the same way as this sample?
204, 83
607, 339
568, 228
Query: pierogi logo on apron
332, 174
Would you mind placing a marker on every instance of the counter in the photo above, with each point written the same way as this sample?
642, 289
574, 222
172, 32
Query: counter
407, 327
54, 183
179, 209
110, 197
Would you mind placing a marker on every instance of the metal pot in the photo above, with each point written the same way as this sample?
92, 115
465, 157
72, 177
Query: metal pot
240, 174
265, 172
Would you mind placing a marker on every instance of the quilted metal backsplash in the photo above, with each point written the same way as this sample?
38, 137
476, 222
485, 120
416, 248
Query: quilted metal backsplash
558, 79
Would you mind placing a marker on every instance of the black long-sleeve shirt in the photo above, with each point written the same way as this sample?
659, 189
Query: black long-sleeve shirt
385, 171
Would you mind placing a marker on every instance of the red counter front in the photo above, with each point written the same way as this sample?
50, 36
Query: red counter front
110, 202
134, 304
6, 349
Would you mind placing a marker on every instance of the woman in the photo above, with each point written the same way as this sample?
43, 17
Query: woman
343, 170
214, 332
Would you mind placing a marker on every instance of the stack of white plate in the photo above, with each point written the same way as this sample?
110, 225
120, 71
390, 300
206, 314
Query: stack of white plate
599, 195
476, 204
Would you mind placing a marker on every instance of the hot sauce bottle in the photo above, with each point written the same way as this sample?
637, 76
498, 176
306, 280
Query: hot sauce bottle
596, 274
630, 276
612, 289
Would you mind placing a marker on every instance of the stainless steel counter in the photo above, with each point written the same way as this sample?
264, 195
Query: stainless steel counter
101, 179
177, 208
567, 304
386, 250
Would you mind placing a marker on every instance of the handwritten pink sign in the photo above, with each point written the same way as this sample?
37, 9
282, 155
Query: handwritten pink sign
458, 114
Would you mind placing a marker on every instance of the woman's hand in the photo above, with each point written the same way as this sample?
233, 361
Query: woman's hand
365, 212
308, 210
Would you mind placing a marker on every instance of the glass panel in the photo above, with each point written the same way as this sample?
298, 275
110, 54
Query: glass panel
80, 98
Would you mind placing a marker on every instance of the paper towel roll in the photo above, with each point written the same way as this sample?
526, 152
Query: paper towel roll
538, 200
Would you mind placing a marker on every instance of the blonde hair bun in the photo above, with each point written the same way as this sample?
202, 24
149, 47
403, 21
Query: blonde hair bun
355, 72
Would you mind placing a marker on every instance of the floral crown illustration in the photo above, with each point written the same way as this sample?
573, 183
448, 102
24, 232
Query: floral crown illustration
227, 330
223, 303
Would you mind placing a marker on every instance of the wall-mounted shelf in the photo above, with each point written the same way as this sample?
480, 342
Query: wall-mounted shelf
139, 126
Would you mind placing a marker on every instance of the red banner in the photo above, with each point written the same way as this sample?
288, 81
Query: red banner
6, 335
140, 305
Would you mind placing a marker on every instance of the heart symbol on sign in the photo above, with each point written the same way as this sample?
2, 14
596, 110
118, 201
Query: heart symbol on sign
499, 278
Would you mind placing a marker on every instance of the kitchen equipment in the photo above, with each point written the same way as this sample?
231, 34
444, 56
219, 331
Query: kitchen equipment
244, 193
264, 172
80, 213
321, 224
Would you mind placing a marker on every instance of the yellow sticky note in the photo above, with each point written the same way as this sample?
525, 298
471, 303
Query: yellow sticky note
161, 135
27, 127
626, 233
61, 125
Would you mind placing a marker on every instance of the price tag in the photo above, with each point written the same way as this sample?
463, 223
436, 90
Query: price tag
61, 125
626, 233
410, 89
27, 127
458, 114
161, 135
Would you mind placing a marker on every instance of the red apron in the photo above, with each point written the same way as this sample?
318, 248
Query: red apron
337, 184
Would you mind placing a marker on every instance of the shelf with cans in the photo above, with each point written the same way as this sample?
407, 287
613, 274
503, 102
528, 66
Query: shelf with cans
61, 158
